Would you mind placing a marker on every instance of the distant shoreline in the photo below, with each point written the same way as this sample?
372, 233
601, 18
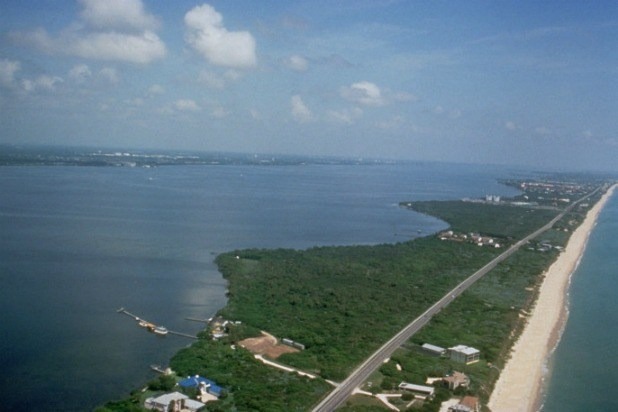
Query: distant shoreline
523, 375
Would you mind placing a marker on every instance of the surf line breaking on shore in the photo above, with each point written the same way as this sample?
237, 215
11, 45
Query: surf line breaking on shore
520, 384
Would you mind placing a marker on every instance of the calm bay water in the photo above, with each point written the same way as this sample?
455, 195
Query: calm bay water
584, 368
77, 243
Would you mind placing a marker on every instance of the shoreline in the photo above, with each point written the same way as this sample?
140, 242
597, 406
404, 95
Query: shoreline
523, 375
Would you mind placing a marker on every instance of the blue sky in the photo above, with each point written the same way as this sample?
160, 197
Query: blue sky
532, 83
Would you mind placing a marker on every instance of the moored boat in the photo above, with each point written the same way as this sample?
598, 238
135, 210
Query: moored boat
160, 330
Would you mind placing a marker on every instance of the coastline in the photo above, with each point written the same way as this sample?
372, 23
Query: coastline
523, 375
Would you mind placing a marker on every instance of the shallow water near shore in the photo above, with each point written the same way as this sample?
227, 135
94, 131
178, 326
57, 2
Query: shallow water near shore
77, 243
584, 366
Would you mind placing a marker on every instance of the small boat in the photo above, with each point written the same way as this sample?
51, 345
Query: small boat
160, 330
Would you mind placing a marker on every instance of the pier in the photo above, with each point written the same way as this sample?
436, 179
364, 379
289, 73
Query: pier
198, 320
156, 329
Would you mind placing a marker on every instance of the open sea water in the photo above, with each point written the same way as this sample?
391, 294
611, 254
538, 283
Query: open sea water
584, 368
77, 243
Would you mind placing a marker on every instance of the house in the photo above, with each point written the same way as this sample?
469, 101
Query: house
467, 404
174, 401
419, 391
456, 380
464, 354
433, 349
203, 384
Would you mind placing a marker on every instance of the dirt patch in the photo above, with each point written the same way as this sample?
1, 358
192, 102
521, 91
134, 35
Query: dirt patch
266, 345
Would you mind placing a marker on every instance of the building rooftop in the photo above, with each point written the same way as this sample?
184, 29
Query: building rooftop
464, 349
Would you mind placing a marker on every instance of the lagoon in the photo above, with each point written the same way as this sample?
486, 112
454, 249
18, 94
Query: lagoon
79, 242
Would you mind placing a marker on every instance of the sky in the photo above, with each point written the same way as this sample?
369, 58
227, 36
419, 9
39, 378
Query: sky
527, 83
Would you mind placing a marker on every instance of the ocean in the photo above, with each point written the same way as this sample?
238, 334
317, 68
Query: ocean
583, 370
77, 243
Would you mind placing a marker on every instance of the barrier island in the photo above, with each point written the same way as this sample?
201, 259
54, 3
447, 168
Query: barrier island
298, 321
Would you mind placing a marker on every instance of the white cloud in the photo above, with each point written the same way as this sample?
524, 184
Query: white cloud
187, 105
297, 63
122, 32
80, 73
135, 48
215, 80
8, 68
510, 125
207, 35
44, 82
588, 134
347, 116
300, 111
365, 93
110, 74
117, 14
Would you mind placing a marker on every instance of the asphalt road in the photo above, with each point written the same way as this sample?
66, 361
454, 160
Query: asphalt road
360, 375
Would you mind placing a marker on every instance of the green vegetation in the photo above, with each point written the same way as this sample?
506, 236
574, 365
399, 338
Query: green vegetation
342, 303
249, 385
501, 221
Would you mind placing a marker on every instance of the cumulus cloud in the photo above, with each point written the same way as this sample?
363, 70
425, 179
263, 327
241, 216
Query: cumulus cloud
110, 74
365, 93
117, 14
297, 63
136, 48
113, 30
207, 35
80, 73
44, 82
8, 68
187, 105
300, 111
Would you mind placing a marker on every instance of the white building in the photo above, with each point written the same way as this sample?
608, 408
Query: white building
418, 390
174, 401
436, 350
464, 354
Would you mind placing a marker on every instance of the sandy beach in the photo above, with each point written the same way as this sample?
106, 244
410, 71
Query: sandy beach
518, 388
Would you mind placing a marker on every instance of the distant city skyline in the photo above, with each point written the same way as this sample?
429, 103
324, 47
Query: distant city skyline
526, 83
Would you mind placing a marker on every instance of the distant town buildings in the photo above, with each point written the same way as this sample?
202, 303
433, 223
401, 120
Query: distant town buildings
475, 238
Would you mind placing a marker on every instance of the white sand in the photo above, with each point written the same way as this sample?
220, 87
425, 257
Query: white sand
519, 384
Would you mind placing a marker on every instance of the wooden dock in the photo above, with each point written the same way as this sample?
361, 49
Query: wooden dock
152, 326
198, 320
